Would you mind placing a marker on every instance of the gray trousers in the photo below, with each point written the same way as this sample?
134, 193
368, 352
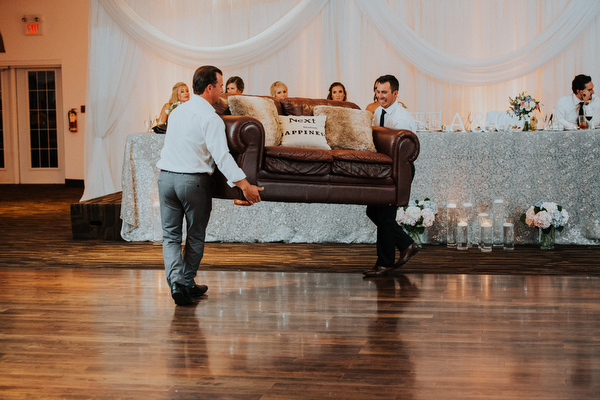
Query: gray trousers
182, 196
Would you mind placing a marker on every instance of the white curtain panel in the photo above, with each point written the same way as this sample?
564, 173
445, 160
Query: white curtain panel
454, 56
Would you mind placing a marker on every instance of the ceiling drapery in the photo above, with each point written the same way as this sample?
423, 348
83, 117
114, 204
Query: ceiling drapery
420, 53
467, 56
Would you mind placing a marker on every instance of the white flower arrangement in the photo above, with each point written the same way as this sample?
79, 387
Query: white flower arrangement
417, 215
546, 216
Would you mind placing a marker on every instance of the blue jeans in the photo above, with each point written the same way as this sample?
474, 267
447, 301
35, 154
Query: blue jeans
182, 196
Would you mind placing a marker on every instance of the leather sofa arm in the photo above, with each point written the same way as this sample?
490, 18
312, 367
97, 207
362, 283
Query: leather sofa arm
246, 141
390, 141
403, 146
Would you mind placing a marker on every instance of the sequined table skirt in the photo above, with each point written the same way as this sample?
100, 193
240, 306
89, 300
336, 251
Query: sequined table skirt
519, 167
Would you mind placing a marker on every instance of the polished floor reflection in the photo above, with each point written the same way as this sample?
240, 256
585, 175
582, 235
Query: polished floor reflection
115, 333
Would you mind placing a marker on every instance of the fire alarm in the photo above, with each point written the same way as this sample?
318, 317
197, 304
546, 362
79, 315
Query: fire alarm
33, 25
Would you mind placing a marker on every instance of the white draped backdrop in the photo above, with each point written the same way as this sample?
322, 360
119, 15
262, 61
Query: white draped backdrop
463, 56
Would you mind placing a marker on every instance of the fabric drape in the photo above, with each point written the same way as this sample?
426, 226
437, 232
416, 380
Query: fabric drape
451, 56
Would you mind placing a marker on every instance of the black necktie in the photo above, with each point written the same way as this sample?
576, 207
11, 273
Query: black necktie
581, 108
381, 119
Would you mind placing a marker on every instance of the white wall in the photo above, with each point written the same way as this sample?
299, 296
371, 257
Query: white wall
64, 42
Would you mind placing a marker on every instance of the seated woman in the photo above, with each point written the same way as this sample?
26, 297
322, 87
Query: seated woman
279, 90
337, 92
373, 106
234, 85
180, 94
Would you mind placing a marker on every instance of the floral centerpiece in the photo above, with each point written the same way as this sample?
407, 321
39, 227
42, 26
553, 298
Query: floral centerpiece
549, 217
523, 105
415, 217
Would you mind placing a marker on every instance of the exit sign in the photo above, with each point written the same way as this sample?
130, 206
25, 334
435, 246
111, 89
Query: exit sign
33, 25
33, 29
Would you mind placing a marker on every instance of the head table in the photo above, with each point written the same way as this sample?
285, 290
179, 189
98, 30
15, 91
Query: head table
520, 168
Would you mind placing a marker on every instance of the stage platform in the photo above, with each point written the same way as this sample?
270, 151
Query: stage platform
98, 218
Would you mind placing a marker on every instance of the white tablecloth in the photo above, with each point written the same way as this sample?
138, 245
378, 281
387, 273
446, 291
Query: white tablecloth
519, 167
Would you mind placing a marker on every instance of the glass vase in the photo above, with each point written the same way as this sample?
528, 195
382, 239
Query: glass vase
527, 124
547, 238
416, 237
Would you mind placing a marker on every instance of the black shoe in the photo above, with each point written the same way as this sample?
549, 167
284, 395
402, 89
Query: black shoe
197, 290
181, 296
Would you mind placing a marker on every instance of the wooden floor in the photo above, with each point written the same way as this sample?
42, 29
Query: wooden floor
94, 320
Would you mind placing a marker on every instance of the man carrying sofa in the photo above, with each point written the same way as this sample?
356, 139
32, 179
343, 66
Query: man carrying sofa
390, 235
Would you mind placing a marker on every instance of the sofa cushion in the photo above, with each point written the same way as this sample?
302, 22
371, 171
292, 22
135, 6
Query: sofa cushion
348, 128
361, 164
305, 131
297, 161
261, 108
303, 106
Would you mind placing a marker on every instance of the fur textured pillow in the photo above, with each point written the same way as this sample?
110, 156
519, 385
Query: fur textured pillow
262, 109
304, 131
348, 129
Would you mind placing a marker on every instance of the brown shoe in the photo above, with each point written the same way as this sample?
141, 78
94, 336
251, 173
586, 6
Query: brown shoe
378, 270
407, 253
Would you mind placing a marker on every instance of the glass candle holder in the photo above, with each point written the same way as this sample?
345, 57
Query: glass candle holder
451, 215
508, 230
487, 234
462, 235
467, 214
498, 220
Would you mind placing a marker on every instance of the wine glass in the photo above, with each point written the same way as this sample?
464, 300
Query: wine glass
148, 123
589, 115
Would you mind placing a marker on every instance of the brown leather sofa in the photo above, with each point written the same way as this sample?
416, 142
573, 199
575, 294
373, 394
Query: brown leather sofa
302, 175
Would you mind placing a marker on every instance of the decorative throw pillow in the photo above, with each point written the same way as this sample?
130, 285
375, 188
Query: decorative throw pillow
348, 129
264, 110
304, 131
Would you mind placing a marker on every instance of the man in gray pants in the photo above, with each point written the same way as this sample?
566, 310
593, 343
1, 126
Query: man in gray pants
195, 143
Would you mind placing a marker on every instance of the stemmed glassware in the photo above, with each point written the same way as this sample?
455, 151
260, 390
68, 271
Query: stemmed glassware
589, 116
148, 123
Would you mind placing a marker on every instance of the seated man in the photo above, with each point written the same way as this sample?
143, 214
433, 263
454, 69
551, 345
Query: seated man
568, 108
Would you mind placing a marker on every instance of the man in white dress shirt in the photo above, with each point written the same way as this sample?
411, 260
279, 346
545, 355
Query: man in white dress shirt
195, 143
390, 235
568, 108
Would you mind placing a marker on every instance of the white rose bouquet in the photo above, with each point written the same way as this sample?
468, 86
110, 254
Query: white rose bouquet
415, 217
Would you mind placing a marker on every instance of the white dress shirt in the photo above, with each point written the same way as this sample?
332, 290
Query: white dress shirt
567, 110
195, 142
396, 117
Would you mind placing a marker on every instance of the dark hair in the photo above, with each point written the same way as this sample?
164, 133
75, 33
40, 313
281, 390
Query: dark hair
579, 82
334, 84
391, 79
375, 90
239, 83
204, 76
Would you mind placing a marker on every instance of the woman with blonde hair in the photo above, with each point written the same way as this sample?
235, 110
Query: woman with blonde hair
179, 94
279, 90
